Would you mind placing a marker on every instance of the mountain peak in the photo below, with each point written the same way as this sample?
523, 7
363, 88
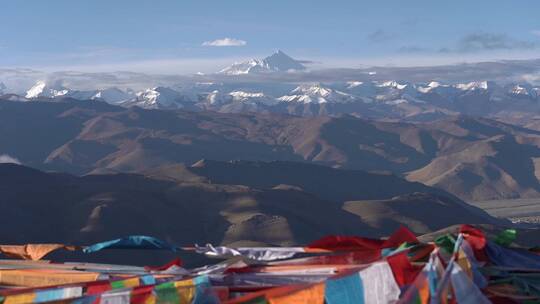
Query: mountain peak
475, 85
277, 62
316, 93
160, 97
279, 53
43, 89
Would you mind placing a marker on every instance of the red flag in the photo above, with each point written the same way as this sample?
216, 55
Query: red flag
176, 262
404, 272
141, 295
346, 243
476, 238
400, 236
353, 243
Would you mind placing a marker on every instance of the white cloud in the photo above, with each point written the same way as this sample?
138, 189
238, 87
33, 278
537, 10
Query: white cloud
6, 159
225, 42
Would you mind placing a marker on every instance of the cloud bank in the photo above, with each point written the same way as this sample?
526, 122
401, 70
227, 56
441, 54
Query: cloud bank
225, 42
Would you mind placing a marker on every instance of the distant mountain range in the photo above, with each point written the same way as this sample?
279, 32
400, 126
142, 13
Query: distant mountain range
44, 90
272, 84
390, 100
476, 139
473, 158
231, 203
264, 152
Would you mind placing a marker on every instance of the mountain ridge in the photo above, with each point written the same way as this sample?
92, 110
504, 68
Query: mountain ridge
83, 209
84, 137
386, 100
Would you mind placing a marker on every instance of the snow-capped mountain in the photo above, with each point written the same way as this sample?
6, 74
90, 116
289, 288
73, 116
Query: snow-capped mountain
366, 98
430, 87
217, 97
277, 62
160, 97
474, 86
354, 84
359, 88
519, 90
316, 94
393, 88
42, 89
249, 97
112, 95
523, 90
434, 87
2, 88
392, 84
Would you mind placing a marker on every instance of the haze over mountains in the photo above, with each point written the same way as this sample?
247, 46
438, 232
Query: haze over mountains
281, 84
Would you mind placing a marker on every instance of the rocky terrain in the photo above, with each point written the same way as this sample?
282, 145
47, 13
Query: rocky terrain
472, 158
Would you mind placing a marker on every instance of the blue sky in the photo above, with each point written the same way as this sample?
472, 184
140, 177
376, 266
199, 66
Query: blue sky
168, 36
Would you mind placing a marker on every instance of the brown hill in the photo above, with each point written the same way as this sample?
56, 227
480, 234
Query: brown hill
325, 182
473, 158
501, 162
52, 207
411, 210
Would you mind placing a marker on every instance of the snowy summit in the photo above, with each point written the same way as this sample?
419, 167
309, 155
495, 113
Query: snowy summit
277, 62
